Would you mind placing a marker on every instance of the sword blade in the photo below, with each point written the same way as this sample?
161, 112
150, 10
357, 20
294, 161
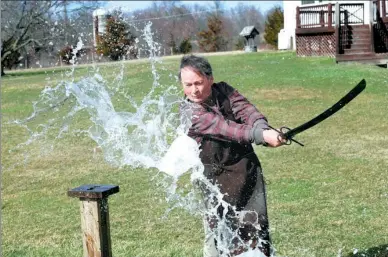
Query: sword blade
326, 114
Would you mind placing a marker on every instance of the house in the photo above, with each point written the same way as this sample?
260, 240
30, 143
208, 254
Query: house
346, 30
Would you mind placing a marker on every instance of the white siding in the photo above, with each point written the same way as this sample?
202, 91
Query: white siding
290, 21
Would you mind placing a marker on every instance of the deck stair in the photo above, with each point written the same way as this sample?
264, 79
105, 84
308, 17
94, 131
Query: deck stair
357, 46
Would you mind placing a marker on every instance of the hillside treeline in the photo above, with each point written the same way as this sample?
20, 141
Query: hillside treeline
45, 33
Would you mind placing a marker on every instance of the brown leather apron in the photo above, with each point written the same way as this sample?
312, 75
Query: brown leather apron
235, 169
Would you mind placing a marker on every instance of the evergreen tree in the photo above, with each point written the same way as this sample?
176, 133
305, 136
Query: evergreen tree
273, 25
212, 40
185, 46
117, 41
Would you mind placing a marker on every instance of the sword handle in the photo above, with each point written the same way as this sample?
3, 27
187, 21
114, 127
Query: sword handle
281, 133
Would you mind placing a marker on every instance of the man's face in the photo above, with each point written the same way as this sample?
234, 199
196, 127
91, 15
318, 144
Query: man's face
195, 86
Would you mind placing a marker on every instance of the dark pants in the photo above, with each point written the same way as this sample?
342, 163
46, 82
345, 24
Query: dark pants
243, 215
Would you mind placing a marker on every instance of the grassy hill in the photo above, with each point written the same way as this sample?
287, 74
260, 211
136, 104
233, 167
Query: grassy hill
329, 198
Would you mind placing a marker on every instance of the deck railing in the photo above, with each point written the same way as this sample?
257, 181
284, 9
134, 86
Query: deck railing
351, 14
380, 26
320, 16
315, 16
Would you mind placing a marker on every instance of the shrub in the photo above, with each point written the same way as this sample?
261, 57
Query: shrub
66, 53
185, 46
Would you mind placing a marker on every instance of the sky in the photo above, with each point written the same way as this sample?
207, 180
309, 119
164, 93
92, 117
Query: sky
136, 5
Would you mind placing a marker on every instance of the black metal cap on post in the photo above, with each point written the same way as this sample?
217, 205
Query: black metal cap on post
95, 218
93, 191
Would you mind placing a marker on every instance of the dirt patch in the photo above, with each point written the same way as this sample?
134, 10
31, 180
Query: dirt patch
284, 94
363, 147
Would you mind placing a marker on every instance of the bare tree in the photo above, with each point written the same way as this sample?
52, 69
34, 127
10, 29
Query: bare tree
172, 23
32, 26
77, 20
246, 15
24, 23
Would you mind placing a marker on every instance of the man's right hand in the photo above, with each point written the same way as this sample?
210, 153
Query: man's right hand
271, 137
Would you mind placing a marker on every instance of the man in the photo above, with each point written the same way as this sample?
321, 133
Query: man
225, 125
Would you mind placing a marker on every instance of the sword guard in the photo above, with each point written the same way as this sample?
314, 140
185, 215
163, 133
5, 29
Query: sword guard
281, 132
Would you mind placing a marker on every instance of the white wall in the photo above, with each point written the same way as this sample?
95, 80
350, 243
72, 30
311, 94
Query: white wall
289, 8
101, 15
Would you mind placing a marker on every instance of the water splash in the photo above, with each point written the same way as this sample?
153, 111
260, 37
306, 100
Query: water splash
138, 139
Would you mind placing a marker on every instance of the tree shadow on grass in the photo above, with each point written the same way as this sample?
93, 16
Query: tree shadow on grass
378, 251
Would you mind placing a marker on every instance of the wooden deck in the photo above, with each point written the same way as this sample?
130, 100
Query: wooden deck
339, 31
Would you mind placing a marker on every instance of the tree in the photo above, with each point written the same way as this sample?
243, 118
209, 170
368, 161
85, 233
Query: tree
185, 46
171, 43
77, 20
212, 40
243, 15
117, 41
239, 44
11, 60
172, 22
67, 54
247, 15
32, 26
24, 23
273, 25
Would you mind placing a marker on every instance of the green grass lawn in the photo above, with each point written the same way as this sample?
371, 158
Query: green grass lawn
329, 198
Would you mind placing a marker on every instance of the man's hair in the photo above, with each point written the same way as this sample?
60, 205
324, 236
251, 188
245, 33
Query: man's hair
197, 63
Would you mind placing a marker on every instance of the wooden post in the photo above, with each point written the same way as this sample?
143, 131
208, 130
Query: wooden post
371, 23
298, 17
337, 28
330, 16
322, 18
95, 218
383, 9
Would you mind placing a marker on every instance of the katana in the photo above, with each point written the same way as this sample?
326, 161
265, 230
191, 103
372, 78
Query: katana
288, 134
